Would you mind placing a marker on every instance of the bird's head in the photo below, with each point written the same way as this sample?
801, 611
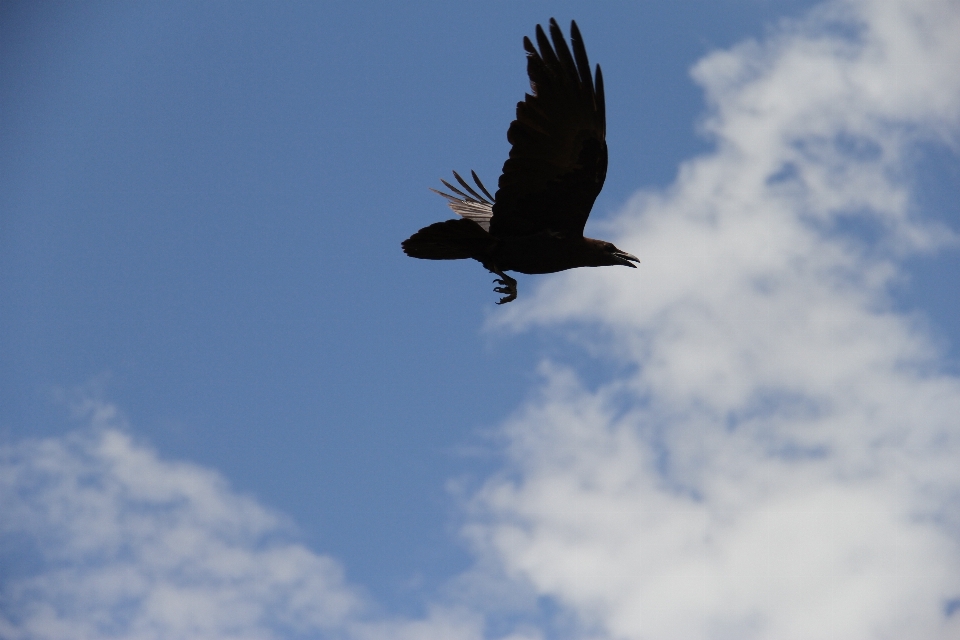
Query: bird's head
603, 254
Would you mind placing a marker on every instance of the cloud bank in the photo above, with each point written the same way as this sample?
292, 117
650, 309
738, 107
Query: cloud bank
782, 459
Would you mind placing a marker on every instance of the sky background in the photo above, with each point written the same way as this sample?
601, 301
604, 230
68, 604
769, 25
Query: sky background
231, 407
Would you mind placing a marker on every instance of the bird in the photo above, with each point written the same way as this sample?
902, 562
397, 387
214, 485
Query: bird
556, 168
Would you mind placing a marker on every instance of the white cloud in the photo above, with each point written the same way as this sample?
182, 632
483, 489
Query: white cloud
126, 545
785, 460
134, 546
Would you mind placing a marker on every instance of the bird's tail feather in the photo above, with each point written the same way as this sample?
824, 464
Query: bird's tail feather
448, 240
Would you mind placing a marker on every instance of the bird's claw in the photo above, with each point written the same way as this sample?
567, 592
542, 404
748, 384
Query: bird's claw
509, 288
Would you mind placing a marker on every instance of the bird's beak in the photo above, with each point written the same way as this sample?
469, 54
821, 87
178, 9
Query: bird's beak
626, 259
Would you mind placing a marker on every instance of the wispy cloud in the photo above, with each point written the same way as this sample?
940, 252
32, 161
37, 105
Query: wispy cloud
134, 546
115, 542
782, 462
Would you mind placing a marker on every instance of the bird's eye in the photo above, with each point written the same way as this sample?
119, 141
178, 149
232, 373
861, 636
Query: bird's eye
609, 248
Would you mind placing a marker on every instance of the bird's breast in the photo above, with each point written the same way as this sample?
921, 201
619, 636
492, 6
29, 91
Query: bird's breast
539, 253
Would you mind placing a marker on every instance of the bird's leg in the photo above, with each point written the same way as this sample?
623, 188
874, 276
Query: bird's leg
509, 286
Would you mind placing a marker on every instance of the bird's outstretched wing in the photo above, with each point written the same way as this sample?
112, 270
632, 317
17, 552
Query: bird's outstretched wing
472, 207
558, 159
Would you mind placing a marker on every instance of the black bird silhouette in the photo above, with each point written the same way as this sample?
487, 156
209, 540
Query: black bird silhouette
555, 171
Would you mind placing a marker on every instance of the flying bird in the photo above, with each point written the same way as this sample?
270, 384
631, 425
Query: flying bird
557, 165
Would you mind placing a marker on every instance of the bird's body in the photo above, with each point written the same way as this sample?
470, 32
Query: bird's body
556, 169
547, 253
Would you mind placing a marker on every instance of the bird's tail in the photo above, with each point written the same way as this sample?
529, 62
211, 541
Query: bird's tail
448, 240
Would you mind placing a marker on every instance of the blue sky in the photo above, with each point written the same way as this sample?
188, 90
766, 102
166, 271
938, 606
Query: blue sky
201, 214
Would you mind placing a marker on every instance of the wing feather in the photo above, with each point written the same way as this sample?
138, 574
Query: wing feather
472, 207
476, 179
580, 54
466, 186
558, 155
